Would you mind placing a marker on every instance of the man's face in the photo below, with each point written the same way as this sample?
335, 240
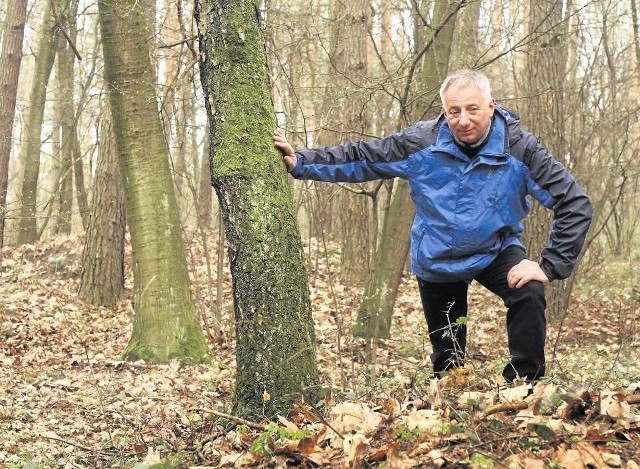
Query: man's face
468, 111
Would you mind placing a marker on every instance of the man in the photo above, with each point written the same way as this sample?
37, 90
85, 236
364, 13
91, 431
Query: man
469, 173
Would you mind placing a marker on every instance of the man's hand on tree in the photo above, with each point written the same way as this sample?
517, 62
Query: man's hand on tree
289, 157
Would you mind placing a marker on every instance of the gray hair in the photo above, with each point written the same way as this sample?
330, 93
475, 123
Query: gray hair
466, 77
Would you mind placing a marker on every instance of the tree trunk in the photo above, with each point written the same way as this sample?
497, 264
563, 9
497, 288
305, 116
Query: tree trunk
165, 325
78, 178
205, 193
380, 292
102, 280
389, 258
467, 32
9, 74
274, 328
545, 73
66, 58
349, 44
44, 63
436, 46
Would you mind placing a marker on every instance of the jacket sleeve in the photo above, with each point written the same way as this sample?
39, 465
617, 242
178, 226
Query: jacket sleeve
555, 188
364, 161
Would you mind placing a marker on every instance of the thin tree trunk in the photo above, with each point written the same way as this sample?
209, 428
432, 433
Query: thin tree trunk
78, 177
206, 189
275, 353
9, 74
44, 63
165, 326
349, 45
467, 32
66, 59
380, 292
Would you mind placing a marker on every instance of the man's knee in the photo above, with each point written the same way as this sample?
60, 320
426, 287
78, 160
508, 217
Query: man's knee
532, 292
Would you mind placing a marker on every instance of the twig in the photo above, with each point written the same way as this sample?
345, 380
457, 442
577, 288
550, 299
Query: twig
121, 364
233, 418
503, 407
54, 13
632, 399
68, 442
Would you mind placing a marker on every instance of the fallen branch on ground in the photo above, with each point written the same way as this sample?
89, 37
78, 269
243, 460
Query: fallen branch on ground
502, 407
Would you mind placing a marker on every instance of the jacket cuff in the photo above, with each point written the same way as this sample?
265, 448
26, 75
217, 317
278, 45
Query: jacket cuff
547, 268
297, 169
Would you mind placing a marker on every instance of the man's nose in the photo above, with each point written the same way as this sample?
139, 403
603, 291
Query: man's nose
464, 119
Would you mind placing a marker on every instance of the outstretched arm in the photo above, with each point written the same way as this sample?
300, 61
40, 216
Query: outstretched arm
358, 161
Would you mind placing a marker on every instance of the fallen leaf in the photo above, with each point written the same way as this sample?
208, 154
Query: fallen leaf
355, 447
354, 417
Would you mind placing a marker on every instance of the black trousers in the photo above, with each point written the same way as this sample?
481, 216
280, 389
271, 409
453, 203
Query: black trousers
446, 303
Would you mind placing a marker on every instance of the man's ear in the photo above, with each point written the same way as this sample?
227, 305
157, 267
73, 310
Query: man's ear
492, 106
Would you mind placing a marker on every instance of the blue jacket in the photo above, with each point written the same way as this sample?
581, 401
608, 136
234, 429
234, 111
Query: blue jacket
467, 210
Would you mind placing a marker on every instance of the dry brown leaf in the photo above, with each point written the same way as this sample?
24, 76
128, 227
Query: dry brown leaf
426, 420
612, 407
354, 417
355, 447
581, 456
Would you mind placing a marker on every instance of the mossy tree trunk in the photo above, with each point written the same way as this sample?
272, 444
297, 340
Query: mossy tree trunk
274, 328
381, 289
376, 309
165, 325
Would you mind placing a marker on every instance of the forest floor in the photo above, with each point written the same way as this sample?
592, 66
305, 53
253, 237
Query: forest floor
67, 399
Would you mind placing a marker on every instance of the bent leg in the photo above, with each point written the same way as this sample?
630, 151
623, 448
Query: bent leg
526, 322
444, 304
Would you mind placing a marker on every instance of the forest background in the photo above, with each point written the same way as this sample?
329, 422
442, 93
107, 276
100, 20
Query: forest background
338, 71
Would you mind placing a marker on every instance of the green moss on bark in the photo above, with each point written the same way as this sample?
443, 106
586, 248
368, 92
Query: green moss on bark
274, 328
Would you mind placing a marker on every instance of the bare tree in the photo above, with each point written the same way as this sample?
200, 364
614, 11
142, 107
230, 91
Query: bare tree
165, 325
376, 308
47, 46
10, 60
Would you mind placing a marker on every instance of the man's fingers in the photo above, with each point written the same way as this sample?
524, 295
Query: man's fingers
522, 281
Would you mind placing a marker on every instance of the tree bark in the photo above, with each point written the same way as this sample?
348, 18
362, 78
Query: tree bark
545, 73
349, 45
9, 74
165, 326
274, 328
102, 279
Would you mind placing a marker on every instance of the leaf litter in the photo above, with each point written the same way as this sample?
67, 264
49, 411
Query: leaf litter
68, 400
